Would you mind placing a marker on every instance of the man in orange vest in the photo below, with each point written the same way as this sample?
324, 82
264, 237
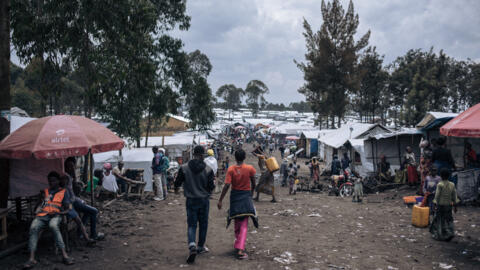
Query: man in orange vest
55, 203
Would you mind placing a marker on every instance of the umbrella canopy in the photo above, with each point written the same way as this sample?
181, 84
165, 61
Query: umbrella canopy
59, 136
239, 127
292, 138
467, 124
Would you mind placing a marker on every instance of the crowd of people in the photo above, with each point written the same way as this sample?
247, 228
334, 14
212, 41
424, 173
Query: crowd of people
202, 176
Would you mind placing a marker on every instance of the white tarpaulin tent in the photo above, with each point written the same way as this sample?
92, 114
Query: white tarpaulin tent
334, 140
137, 158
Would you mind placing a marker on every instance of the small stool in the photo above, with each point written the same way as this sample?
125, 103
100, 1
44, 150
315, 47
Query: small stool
3, 218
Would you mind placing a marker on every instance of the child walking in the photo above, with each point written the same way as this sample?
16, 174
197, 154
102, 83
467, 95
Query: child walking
445, 199
242, 179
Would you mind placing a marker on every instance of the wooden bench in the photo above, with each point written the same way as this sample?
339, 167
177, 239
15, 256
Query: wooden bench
136, 187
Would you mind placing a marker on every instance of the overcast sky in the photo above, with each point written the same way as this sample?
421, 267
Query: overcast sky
258, 39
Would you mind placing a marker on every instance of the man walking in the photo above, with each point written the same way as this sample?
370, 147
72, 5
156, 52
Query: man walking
198, 182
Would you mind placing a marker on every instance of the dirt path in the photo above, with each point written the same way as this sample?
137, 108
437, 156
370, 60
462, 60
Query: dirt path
306, 231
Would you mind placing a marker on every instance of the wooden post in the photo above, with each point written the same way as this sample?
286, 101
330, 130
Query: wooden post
90, 177
399, 152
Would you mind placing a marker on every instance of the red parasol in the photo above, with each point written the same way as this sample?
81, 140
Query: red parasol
239, 127
59, 136
466, 124
292, 138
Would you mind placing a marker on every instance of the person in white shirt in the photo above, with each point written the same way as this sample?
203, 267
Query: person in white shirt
109, 182
119, 172
211, 162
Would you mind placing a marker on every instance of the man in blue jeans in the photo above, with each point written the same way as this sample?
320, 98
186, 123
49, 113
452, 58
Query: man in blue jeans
198, 182
79, 205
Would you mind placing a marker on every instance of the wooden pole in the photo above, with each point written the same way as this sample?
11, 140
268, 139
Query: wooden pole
90, 178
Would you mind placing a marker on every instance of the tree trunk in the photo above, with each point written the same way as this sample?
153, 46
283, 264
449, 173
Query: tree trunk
5, 98
149, 124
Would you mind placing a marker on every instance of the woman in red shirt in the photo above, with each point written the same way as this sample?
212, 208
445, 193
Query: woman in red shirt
242, 179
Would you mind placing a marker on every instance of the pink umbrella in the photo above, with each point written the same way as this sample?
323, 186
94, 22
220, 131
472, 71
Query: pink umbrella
292, 138
239, 127
466, 124
59, 136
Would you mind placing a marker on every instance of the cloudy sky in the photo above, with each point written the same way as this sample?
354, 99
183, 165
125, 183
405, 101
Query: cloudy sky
258, 39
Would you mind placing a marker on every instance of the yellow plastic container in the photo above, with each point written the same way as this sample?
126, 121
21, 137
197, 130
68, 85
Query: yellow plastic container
272, 164
420, 216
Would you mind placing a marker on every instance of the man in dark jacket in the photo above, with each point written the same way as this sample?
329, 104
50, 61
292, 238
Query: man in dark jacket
198, 183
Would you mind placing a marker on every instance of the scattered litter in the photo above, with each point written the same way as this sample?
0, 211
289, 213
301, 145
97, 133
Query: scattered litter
125, 244
285, 258
288, 212
183, 265
266, 227
391, 268
445, 266
336, 266
473, 225
315, 215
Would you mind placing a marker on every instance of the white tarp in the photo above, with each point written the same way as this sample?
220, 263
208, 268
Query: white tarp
340, 136
365, 167
137, 158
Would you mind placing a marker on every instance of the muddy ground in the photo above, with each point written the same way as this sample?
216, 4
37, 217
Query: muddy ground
305, 231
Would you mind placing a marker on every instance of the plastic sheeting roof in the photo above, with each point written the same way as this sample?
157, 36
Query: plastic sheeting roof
311, 134
404, 131
432, 116
340, 136
180, 118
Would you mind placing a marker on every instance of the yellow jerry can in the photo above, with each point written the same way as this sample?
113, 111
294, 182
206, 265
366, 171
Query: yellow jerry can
272, 164
420, 216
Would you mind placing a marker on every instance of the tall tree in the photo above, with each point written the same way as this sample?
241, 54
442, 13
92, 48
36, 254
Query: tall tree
199, 97
255, 92
231, 95
329, 70
372, 86
4, 94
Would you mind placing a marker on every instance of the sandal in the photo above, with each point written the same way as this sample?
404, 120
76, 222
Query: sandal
242, 256
29, 264
68, 261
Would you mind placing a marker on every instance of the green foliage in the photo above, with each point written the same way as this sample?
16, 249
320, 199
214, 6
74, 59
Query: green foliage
255, 92
331, 58
301, 106
231, 95
371, 98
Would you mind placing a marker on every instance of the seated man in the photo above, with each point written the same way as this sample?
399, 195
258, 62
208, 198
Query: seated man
384, 170
119, 172
109, 183
80, 206
56, 201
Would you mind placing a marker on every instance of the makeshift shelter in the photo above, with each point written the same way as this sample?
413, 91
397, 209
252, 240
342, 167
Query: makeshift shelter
334, 142
178, 147
137, 158
432, 121
466, 127
392, 146
309, 141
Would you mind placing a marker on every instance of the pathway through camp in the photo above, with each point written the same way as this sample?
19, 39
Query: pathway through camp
305, 231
